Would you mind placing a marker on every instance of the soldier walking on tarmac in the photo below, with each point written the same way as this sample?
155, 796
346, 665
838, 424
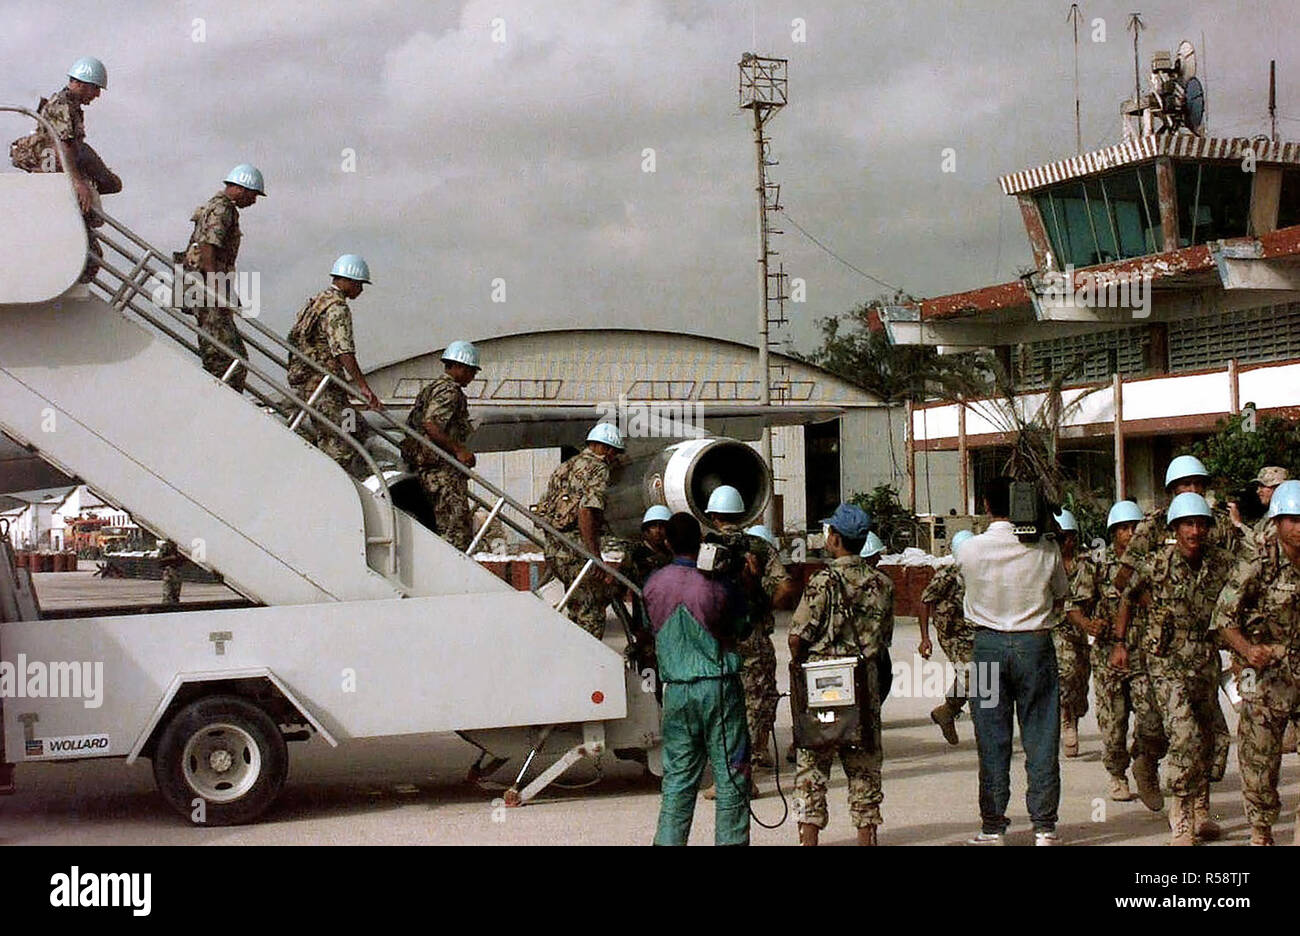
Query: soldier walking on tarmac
1178, 585
1258, 615
441, 412
1092, 608
575, 502
1072, 654
941, 602
323, 334
170, 559
212, 250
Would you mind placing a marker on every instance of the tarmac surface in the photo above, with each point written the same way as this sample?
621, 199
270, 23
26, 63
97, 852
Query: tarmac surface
412, 790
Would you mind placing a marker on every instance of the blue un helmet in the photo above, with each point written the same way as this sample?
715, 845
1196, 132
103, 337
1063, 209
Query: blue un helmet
461, 352
1285, 501
873, 546
606, 433
763, 533
958, 538
1124, 511
1065, 520
1184, 466
725, 499
658, 513
90, 70
249, 176
1188, 504
351, 266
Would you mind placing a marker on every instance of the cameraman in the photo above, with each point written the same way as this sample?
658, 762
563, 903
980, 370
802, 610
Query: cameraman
1014, 595
697, 622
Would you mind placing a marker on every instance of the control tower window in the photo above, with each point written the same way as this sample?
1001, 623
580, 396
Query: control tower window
1104, 218
1213, 201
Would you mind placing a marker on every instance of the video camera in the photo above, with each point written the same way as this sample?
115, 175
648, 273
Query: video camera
1031, 514
714, 560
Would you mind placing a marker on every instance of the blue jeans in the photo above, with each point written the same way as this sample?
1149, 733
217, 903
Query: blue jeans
1021, 669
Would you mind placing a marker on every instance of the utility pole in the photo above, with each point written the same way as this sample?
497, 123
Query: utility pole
1074, 16
763, 90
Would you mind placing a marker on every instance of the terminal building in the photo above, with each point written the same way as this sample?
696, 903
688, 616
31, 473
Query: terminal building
815, 466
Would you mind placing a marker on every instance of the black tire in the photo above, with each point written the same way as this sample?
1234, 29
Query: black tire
231, 729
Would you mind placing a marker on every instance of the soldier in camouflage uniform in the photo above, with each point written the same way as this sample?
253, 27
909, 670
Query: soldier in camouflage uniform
170, 559
652, 553
1265, 484
441, 412
210, 255
1092, 608
766, 585
574, 503
942, 602
73, 155
1071, 643
846, 610
1258, 615
1186, 473
1178, 586
323, 335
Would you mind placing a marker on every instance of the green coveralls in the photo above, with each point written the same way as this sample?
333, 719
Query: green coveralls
703, 720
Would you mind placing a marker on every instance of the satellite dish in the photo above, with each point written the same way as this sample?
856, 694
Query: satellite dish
1195, 103
1186, 61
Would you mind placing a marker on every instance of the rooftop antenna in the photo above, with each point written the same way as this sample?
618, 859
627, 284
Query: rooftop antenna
1074, 16
1272, 95
1135, 26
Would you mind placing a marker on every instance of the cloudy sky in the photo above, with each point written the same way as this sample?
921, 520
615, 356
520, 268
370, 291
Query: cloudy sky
505, 140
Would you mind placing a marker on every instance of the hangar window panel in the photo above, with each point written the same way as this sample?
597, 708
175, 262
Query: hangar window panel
791, 391
722, 390
661, 390
1271, 333
522, 389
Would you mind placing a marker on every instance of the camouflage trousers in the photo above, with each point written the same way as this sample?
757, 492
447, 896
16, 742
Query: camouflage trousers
812, 773
447, 491
220, 323
1193, 723
1119, 694
334, 405
171, 581
1265, 711
758, 676
590, 599
958, 645
1072, 662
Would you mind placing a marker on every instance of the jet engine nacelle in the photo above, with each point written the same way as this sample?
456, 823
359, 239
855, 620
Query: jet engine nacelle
682, 476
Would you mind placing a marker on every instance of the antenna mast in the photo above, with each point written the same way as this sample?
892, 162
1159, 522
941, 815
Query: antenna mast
1272, 95
1135, 26
1075, 16
763, 89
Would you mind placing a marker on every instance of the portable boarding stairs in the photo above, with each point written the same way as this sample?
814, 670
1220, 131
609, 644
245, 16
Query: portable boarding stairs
98, 381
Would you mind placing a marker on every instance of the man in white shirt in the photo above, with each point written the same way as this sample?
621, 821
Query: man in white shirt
1014, 595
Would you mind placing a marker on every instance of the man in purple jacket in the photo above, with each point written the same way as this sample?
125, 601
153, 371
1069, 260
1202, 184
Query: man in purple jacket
697, 621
